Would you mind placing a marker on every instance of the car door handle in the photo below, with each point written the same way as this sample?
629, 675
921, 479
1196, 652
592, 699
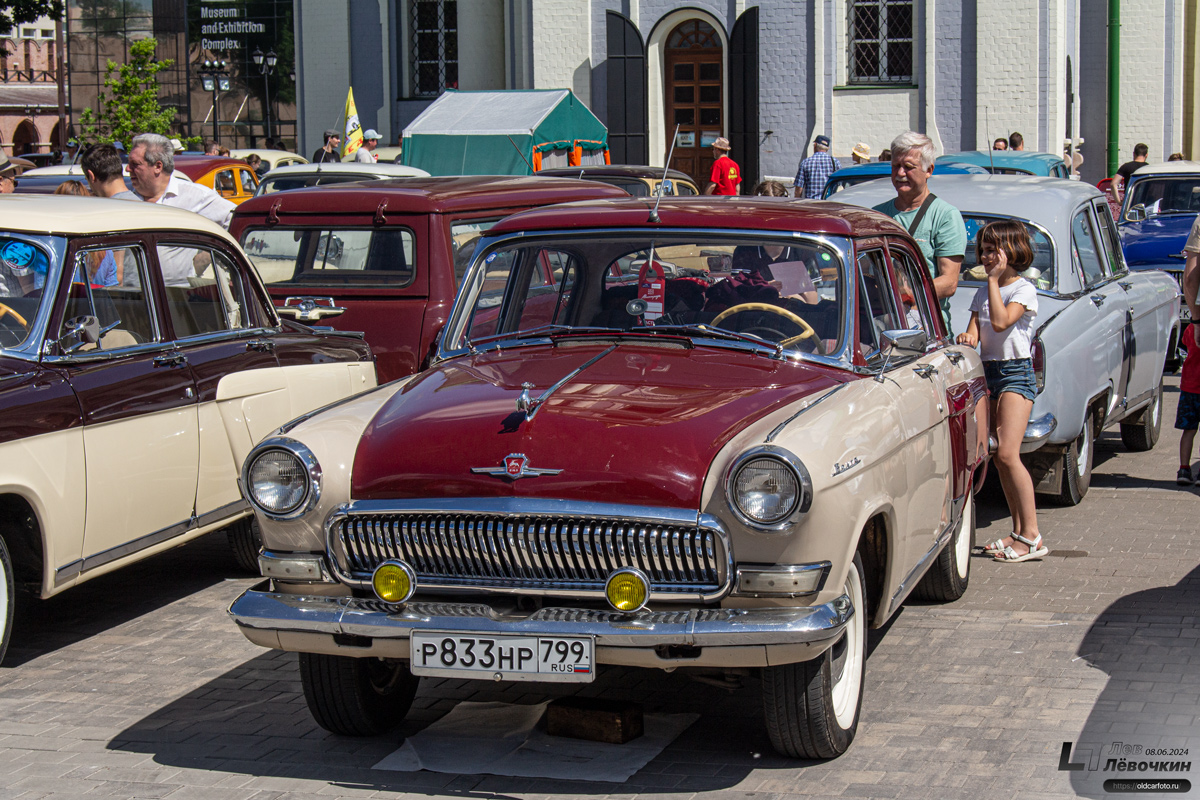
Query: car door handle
925, 370
261, 345
1126, 285
954, 357
1098, 299
175, 359
309, 309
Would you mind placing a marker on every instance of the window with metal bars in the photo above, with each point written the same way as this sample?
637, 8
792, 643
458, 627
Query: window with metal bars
881, 41
434, 46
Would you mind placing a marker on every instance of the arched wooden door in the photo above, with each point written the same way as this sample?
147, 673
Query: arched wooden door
25, 139
695, 96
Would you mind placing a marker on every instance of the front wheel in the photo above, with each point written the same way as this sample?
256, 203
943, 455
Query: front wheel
812, 708
245, 542
947, 579
356, 696
1076, 465
6, 598
1142, 434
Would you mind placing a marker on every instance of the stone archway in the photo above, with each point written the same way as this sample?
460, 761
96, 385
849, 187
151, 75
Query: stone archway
25, 139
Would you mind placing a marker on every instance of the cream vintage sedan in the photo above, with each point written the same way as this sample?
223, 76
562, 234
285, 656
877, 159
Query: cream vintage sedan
628, 468
140, 361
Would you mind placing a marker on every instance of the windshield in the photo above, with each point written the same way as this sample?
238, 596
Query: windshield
770, 292
1042, 272
25, 267
1165, 196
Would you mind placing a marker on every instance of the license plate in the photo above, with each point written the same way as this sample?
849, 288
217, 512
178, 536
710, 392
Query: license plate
503, 657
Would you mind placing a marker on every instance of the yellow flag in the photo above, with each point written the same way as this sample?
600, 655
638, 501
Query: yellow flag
353, 138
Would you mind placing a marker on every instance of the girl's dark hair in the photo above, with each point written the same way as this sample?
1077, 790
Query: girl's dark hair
1010, 236
770, 189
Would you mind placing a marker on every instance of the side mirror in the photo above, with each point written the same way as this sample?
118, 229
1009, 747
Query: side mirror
1136, 213
904, 343
666, 187
85, 330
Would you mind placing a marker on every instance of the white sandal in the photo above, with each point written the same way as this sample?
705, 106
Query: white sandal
992, 548
1036, 550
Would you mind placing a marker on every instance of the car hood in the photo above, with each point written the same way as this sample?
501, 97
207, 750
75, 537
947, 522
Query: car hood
631, 423
1155, 240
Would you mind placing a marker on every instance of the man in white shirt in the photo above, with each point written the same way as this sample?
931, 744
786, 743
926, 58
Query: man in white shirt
152, 172
365, 154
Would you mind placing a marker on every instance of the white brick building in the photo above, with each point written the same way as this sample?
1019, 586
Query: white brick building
772, 76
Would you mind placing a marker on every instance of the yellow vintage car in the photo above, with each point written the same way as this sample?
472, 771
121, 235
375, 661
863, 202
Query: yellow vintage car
231, 178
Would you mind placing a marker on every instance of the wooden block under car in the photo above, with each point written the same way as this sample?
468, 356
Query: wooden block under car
611, 721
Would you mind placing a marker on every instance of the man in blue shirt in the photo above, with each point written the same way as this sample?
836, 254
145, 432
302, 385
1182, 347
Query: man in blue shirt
815, 170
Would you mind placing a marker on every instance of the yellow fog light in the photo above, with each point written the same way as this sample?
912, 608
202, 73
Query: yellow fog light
627, 590
394, 581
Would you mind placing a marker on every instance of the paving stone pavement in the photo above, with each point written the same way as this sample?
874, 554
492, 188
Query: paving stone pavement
136, 685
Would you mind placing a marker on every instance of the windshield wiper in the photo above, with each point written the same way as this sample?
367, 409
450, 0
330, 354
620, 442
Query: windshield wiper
712, 333
540, 331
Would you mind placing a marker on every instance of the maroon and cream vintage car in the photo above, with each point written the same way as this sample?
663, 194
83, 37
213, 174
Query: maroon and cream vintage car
140, 361
741, 466
385, 257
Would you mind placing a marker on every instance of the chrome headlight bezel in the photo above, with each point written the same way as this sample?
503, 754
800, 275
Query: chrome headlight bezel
788, 460
307, 461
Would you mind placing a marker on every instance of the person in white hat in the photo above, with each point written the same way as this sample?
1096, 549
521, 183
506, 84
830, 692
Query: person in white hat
8, 175
365, 154
177, 146
861, 153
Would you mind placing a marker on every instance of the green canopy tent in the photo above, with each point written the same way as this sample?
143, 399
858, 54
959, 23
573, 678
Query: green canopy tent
504, 133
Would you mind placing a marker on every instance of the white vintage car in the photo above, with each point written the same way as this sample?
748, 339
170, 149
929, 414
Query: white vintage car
710, 472
1102, 332
140, 361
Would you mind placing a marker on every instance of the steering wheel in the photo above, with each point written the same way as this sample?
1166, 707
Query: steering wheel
5, 310
809, 333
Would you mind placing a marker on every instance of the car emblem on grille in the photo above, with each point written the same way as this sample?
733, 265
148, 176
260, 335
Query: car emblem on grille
516, 465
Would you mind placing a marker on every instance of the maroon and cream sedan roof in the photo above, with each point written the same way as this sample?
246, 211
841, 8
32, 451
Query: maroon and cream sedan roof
428, 195
726, 213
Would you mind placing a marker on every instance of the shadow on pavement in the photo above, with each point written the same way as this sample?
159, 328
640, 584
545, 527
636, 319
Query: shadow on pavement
1148, 643
103, 603
253, 720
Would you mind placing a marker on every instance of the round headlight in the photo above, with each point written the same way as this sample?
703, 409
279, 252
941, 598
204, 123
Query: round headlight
394, 581
627, 590
766, 490
278, 481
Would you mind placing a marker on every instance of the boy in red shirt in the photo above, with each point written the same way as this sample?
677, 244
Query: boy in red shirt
726, 175
1187, 416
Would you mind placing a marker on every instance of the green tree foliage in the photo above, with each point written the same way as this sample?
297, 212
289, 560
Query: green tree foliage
19, 11
129, 102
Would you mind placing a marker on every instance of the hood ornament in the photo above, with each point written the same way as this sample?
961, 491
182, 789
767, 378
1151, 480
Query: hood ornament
516, 465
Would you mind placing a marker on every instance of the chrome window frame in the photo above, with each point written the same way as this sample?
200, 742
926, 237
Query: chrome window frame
55, 249
472, 283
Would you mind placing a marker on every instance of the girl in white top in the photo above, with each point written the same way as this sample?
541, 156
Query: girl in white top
1002, 315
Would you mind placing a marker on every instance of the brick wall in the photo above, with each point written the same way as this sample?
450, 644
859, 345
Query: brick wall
562, 55
785, 93
1007, 76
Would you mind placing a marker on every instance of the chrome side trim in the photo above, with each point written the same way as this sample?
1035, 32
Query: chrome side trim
1038, 431
68, 571
779, 428
261, 609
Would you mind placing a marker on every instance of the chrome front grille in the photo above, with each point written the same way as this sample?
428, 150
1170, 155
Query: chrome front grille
534, 553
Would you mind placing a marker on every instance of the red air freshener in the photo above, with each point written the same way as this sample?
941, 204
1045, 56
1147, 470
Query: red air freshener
652, 289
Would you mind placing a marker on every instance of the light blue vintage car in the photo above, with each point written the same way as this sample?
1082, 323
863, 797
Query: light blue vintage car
1011, 162
1102, 332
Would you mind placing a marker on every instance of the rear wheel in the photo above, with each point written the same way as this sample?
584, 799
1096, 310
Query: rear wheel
356, 696
812, 708
245, 542
1077, 465
1142, 434
947, 579
6, 598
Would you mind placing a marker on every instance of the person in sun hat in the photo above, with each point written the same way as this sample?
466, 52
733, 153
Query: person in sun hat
815, 170
861, 153
8, 174
726, 174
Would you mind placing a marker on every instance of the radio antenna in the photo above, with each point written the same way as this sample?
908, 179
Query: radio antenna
987, 124
663, 183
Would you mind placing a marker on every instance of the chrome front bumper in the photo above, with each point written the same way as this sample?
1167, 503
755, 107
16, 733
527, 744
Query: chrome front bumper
260, 609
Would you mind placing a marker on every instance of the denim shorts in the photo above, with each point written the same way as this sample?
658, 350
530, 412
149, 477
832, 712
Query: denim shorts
1187, 415
1013, 375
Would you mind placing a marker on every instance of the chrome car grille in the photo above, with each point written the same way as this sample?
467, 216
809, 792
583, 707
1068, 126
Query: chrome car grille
550, 553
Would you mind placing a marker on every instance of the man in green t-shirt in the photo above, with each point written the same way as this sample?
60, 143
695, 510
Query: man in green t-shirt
941, 234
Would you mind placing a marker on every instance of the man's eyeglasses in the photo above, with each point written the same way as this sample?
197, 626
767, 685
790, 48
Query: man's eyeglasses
9, 178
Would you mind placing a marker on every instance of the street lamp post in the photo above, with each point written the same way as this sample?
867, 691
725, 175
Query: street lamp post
266, 65
215, 77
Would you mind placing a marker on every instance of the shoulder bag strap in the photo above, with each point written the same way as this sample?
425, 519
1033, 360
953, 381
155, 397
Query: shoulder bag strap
912, 226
